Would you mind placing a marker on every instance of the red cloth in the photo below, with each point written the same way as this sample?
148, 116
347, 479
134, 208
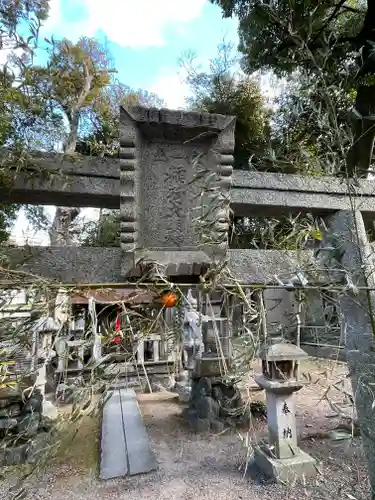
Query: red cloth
118, 324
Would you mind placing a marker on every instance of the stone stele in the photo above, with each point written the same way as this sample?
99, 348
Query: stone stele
175, 178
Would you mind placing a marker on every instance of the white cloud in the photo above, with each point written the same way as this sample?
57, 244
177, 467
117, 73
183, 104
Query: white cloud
170, 86
135, 24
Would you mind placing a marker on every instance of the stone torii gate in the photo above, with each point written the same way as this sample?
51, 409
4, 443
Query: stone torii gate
152, 184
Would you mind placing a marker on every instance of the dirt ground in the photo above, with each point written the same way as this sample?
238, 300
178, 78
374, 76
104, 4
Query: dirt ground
199, 467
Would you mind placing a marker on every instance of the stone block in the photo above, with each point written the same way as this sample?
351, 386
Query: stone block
286, 470
85, 265
29, 424
295, 193
14, 455
208, 367
202, 387
8, 423
34, 403
10, 411
207, 408
158, 189
201, 425
184, 397
217, 426
189, 414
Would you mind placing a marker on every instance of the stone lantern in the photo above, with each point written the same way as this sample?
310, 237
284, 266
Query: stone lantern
282, 459
45, 329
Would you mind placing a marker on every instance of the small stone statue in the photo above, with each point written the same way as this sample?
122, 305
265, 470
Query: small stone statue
192, 330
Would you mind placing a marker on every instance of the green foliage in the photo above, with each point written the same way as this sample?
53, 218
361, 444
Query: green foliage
224, 90
103, 138
71, 84
285, 233
283, 36
13, 101
330, 47
30, 13
75, 73
13, 13
306, 133
8, 215
102, 233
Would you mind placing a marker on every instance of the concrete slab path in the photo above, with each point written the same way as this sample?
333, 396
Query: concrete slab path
125, 445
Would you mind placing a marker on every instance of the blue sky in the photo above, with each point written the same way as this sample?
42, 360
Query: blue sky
146, 37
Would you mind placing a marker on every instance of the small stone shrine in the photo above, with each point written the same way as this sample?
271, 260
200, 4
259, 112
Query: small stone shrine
213, 401
282, 459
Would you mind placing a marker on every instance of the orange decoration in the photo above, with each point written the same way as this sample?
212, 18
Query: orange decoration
169, 299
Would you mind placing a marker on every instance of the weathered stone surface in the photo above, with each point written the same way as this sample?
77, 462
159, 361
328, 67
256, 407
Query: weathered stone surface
274, 194
159, 192
103, 265
34, 404
37, 448
202, 387
217, 426
14, 455
352, 252
212, 403
29, 424
208, 367
8, 423
10, 411
207, 407
286, 470
125, 447
95, 182
200, 424
77, 181
69, 264
261, 266
30, 452
169, 120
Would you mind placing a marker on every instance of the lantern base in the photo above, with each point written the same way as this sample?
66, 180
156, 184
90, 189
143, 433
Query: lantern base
285, 470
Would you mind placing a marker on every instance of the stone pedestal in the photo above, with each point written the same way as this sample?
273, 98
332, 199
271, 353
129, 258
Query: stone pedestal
285, 470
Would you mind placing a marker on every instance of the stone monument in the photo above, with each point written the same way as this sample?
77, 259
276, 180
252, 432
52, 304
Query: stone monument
162, 153
282, 459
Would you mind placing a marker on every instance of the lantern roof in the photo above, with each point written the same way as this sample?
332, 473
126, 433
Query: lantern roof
282, 352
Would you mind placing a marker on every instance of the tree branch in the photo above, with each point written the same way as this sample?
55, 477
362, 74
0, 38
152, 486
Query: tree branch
329, 20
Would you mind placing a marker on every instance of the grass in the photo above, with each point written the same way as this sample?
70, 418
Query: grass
80, 444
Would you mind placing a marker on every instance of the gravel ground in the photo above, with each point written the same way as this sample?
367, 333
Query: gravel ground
207, 467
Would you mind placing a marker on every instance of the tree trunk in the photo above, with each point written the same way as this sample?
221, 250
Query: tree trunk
60, 231
348, 235
360, 154
71, 142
